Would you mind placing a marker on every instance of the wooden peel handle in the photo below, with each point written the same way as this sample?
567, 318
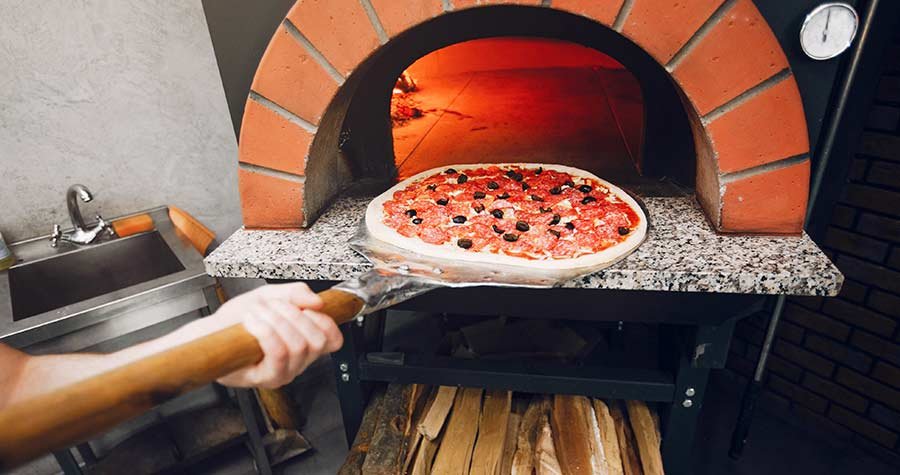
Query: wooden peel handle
76, 412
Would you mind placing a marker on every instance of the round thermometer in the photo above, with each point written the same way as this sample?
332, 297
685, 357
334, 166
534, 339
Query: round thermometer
828, 30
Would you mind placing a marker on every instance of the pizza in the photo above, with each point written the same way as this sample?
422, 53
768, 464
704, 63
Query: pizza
521, 214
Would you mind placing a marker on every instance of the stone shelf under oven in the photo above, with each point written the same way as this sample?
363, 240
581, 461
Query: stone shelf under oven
682, 254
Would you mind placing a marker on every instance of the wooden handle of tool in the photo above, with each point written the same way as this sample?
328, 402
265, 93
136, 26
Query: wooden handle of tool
74, 413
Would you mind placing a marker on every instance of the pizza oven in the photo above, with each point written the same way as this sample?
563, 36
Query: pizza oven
698, 95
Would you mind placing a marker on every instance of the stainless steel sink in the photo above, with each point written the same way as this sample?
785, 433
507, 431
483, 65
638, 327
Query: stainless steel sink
51, 292
54, 283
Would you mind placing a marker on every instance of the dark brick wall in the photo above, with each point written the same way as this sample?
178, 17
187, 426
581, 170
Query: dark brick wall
836, 361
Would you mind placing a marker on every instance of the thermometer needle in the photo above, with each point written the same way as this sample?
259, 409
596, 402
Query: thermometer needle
825, 31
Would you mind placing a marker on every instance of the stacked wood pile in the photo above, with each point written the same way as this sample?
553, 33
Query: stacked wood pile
418, 430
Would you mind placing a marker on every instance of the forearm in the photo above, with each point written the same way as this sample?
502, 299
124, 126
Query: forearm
30, 376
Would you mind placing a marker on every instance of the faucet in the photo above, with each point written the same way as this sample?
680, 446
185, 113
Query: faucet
79, 235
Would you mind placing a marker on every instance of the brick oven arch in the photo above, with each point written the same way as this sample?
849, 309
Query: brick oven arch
742, 103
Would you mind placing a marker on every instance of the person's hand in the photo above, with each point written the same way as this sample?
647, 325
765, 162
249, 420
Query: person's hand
291, 333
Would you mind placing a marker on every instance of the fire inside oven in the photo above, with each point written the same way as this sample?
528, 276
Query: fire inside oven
517, 99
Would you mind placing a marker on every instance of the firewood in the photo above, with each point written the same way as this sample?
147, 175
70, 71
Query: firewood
526, 443
491, 433
455, 452
425, 456
576, 436
631, 463
644, 428
545, 460
608, 437
509, 444
423, 396
431, 424
354, 461
387, 452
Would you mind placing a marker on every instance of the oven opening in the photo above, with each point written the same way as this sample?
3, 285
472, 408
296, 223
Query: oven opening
518, 99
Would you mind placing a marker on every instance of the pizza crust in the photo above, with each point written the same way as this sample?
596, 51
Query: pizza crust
379, 230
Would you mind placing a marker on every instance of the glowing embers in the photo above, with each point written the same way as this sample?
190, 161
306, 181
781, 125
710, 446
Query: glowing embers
404, 106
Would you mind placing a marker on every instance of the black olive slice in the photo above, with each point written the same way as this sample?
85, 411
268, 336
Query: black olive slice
525, 186
497, 229
555, 220
450, 171
459, 219
570, 226
536, 198
588, 199
510, 173
498, 213
569, 183
417, 221
478, 207
492, 185
510, 237
522, 226
539, 171
462, 179
544, 210
555, 190
585, 188
479, 195
518, 177
464, 243
410, 212
443, 201
503, 196
623, 230
554, 232
431, 187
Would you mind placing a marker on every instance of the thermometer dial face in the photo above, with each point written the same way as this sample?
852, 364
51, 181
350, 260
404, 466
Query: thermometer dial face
828, 30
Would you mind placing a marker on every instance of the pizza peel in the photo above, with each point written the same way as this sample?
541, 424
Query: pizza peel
74, 413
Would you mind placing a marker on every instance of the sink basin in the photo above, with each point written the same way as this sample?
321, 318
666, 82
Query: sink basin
59, 281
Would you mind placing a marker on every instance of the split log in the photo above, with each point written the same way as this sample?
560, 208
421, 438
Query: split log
492, 427
434, 418
425, 456
509, 444
422, 397
608, 437
387, 452
646, 437
526, 443
545, 460
631, 464
354, 462
576, 436
455, 452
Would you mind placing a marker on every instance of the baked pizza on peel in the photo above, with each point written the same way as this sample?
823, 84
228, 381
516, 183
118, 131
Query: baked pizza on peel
521, 214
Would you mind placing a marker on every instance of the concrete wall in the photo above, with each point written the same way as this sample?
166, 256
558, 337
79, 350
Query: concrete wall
124, 97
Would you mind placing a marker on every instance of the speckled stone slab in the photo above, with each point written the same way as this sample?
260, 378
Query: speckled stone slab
681, 253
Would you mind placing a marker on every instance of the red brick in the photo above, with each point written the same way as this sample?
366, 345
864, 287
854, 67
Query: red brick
510, 2
887, 373
269, 202
868, 273
269, 140
290, 77
835, 392
766, 128
884, 349
739, 52
340, 30
859, 316
397, 17
662, 28
871, 388
863, 426
817, 322
880, 227
770, 202
603, 11
460, 4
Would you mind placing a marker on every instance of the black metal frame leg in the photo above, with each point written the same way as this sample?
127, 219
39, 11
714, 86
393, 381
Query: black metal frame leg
67, 462
352, 392
255, 429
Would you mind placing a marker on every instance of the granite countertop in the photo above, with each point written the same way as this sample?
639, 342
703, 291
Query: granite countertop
682, 253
